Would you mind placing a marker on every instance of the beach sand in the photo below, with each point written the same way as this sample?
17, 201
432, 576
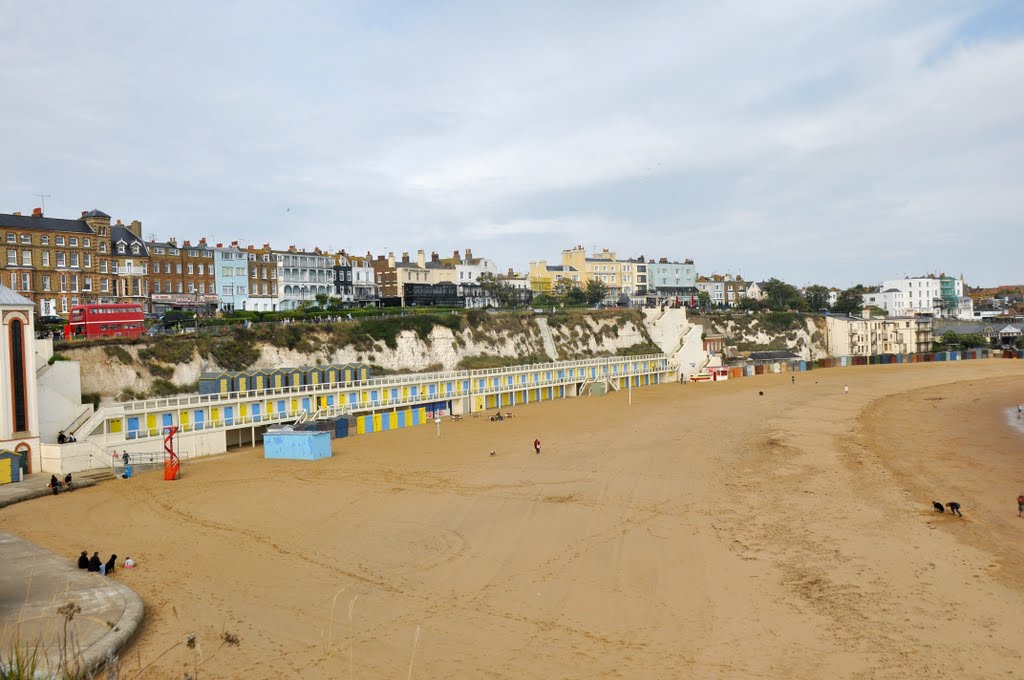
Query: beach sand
703, 532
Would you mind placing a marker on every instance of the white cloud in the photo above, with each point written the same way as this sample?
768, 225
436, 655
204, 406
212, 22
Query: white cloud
800, 139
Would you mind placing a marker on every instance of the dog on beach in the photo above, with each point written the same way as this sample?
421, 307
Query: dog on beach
938, 507
954, 508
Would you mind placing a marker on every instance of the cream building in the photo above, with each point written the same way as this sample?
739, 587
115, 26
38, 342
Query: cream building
867, 335
19, 405
623, 277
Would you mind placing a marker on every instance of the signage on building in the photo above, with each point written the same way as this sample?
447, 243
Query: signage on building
185, 299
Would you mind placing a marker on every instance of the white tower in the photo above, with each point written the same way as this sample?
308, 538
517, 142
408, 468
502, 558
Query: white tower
19, 407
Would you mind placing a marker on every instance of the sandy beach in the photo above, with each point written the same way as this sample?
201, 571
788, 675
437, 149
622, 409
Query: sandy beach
703, 532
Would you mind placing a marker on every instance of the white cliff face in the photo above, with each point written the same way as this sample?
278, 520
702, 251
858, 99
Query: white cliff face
123, 374
124, 378
805, 337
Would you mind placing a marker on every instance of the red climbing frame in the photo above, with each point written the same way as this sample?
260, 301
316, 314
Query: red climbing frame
172, 468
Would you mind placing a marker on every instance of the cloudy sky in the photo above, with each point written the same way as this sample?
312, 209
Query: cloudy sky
836, 142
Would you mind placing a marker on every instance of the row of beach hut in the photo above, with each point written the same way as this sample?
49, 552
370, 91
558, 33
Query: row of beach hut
225, 382
726, 372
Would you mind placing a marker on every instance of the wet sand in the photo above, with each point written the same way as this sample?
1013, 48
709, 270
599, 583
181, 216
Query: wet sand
704, 532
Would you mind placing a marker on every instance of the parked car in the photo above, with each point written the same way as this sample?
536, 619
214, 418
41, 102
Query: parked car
51, 320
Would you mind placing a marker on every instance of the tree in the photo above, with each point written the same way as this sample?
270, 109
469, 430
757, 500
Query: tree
704, 299
496, 289
850, 301
576, 296
322, 300
816, 297
782, 296
596, 291
564, 286
751, 305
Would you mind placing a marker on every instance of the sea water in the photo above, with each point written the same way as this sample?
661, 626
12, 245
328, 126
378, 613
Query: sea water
1015, 419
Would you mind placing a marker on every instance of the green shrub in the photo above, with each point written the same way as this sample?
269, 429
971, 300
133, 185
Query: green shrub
159, 370
119, 353
57, 356
91, 398
234, 354
170, 350
638, 349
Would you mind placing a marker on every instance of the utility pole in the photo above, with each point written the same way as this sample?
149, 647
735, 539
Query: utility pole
42, 201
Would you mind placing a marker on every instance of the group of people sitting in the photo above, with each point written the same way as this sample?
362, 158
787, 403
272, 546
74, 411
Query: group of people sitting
503, 416
65, 438
57, 484
94, 563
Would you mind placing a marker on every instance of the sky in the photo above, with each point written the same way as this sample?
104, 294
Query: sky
838, 142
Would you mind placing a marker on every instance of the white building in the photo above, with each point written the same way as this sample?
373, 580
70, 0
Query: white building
19, 405
302, 276
936, 295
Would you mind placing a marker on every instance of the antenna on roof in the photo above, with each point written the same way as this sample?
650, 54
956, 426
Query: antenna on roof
42, 201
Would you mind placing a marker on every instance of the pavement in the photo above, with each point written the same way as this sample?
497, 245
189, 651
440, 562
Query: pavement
35, 584
34, 486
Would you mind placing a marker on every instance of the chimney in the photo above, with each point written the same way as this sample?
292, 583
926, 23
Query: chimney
220, 245
469, 255
187, 244
456, 256
510, 272
83, 213
267, 246
119, 222
391, 260
37, 212
136, 228
663, 260
291, 249
421, 260
202, 241
405, 258
434, 257
866, 313
17, 213
250, 247
173, 241
234, 244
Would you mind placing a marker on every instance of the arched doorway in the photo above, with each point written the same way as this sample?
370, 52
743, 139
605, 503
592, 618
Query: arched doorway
24, 452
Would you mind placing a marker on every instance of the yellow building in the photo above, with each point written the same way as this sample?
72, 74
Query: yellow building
627, 277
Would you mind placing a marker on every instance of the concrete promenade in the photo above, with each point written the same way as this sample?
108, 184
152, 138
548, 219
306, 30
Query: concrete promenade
34, 486
35, 584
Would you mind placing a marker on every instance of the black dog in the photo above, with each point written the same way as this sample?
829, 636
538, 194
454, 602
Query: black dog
938, 507
955, 508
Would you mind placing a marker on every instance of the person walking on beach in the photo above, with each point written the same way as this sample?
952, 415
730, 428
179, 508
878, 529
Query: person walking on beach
536, 445
846, 389
1020, 504
954, 507
125, 458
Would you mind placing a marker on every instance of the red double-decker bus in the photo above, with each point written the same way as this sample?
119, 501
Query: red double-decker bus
105, 321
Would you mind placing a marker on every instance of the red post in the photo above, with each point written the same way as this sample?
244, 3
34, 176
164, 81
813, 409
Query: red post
172, 467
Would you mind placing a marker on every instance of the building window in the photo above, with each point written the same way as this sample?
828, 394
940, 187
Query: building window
26, 239
103, 247
26, 258
87, 260
12, 258
63, 283
73, 241
26, 283
61, 260
44, 240
64, 305
120, 249
12, 238
60, 240
86, 243
190, 268
46, 282
202, 288
19, 409
177, 268
135, 249
74, 283
74, 259
103, 267
87, 285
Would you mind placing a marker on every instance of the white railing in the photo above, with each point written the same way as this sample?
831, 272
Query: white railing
625, 367
383, 382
